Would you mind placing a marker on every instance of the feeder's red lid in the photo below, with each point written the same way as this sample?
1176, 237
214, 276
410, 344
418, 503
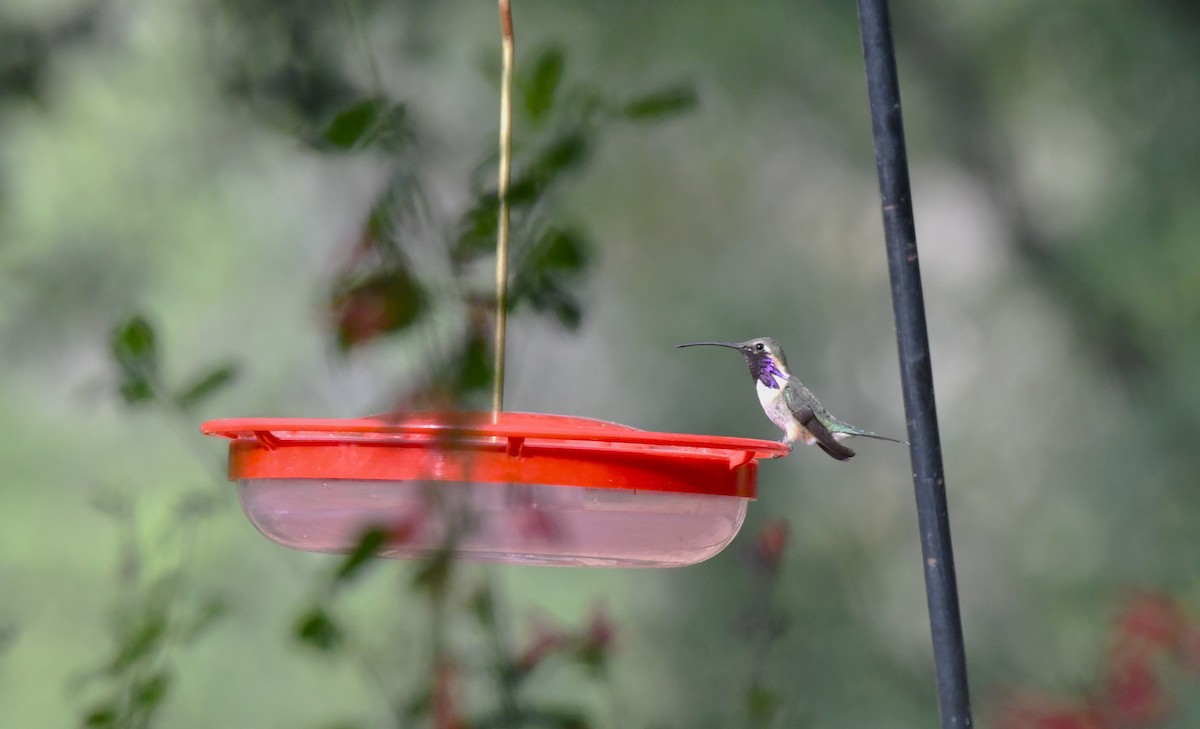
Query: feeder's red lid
502, 448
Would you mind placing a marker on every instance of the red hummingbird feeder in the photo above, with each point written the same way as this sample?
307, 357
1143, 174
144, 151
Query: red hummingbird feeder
495, 486
520, 487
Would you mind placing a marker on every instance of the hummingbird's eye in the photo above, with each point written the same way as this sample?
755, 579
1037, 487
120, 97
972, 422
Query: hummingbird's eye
759, 346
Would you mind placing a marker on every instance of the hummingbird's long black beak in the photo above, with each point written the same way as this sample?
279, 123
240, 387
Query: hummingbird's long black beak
731, 345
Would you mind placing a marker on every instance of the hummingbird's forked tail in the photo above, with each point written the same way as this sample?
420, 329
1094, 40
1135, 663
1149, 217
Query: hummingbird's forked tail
845, 429
837, 450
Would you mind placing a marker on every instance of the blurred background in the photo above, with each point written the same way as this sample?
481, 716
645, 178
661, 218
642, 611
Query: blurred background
221, 208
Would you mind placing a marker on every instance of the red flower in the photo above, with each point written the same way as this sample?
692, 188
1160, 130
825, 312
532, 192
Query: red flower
538, 525
600, 630
545, 642
365, 307
1152, 618
589, 645
770, 544
445, 696
594, 642
402, 531
1189, 647
1151, 636
1035, 712
1134, 692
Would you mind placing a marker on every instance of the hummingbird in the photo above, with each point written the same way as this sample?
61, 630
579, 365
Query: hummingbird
788, 403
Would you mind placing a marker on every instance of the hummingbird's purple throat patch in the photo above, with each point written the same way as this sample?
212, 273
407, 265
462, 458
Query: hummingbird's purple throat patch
767, 374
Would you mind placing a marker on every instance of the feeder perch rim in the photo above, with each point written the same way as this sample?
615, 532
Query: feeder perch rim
511, 425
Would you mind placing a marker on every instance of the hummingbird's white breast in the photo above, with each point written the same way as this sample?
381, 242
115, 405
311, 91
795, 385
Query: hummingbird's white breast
773, 404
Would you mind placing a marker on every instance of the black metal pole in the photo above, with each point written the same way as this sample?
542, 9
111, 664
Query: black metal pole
916, 372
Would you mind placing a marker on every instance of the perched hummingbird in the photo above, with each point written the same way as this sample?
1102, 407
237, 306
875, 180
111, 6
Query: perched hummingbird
789, 404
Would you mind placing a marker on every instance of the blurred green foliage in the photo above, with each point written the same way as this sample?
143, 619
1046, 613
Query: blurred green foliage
157, 616
133, 346
267, 182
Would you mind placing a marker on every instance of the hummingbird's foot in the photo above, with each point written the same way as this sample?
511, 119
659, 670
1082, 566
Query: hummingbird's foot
790, 445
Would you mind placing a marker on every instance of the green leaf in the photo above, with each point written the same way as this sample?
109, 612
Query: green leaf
548, 272
317, 630
198, 504
352, 124
567, 310
477, 230
149, 693
395, 131
560, 251
205, 385
459, 376
475, 365
399, 202
543, 82
134, 349
558, 717
482, 605
368, 545
661, 104
133, 342
370, 121
594, 657
141, 642
104, 715
114, 504
548, 295
762, 704
434, 573
419, 706
135, 391
206, 617
566, 152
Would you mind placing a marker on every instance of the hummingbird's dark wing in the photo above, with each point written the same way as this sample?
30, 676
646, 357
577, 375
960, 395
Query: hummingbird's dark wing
825, 439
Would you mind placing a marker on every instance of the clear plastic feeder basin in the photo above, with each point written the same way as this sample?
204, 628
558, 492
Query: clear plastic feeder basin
515, 487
